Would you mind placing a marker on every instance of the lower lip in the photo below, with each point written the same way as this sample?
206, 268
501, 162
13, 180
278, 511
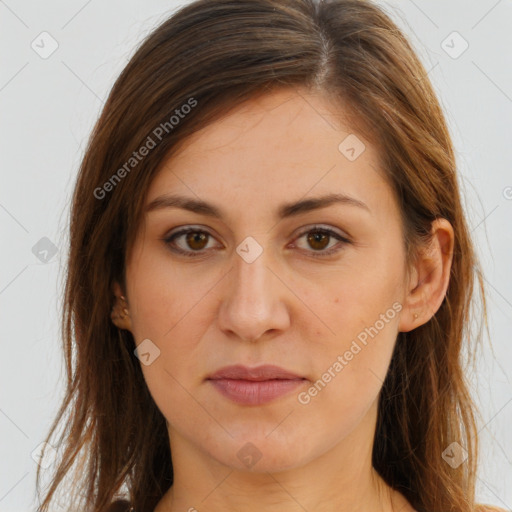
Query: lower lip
255, 392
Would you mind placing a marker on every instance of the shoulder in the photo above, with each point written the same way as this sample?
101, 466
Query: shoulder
120, 506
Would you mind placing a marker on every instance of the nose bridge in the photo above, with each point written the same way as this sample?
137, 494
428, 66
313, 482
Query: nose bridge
251, 287
252, 303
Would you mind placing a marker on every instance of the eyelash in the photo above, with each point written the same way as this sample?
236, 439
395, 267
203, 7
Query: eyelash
168, 240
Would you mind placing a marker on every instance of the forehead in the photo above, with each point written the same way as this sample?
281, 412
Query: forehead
284, 145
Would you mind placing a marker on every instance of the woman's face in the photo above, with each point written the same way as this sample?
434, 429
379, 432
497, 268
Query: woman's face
267, 283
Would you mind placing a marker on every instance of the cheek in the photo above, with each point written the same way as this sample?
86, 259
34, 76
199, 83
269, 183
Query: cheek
352, 302
353, 354
158, 294
168, 308
348, 384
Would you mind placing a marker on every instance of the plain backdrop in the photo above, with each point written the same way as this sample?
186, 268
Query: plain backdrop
48, 104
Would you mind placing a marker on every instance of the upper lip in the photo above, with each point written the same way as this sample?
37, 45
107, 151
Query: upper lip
259, 373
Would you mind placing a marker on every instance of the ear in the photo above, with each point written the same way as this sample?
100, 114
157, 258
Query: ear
120, 314
430, 277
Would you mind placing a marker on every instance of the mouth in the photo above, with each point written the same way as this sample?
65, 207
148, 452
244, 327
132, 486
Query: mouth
255, 386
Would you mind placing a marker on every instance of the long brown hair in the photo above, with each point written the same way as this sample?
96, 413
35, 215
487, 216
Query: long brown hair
212, 55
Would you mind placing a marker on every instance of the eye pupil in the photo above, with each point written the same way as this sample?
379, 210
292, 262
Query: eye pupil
315, 237
194, 237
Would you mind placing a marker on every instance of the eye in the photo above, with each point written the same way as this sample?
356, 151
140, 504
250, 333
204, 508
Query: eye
197, 239
318, 238
194, 238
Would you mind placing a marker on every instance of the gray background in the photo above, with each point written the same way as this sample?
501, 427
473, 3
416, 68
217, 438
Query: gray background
48, 107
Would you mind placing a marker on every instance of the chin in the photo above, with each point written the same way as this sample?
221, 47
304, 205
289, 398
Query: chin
261, 454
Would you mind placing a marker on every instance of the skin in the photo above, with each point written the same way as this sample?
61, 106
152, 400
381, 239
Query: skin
286, 308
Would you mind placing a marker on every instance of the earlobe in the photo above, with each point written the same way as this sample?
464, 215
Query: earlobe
431, 275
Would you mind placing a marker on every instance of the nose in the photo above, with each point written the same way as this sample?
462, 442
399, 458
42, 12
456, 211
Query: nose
254, 300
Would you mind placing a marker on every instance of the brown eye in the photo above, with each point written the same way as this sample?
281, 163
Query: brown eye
193, 241
197, 240
318, 240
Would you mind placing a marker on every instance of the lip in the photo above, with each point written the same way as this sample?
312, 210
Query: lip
254, 386
259, 373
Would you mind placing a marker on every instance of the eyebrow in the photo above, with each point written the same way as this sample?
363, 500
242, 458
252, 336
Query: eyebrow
285, 211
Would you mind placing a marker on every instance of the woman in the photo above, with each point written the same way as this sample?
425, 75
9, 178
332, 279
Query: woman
270, 274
